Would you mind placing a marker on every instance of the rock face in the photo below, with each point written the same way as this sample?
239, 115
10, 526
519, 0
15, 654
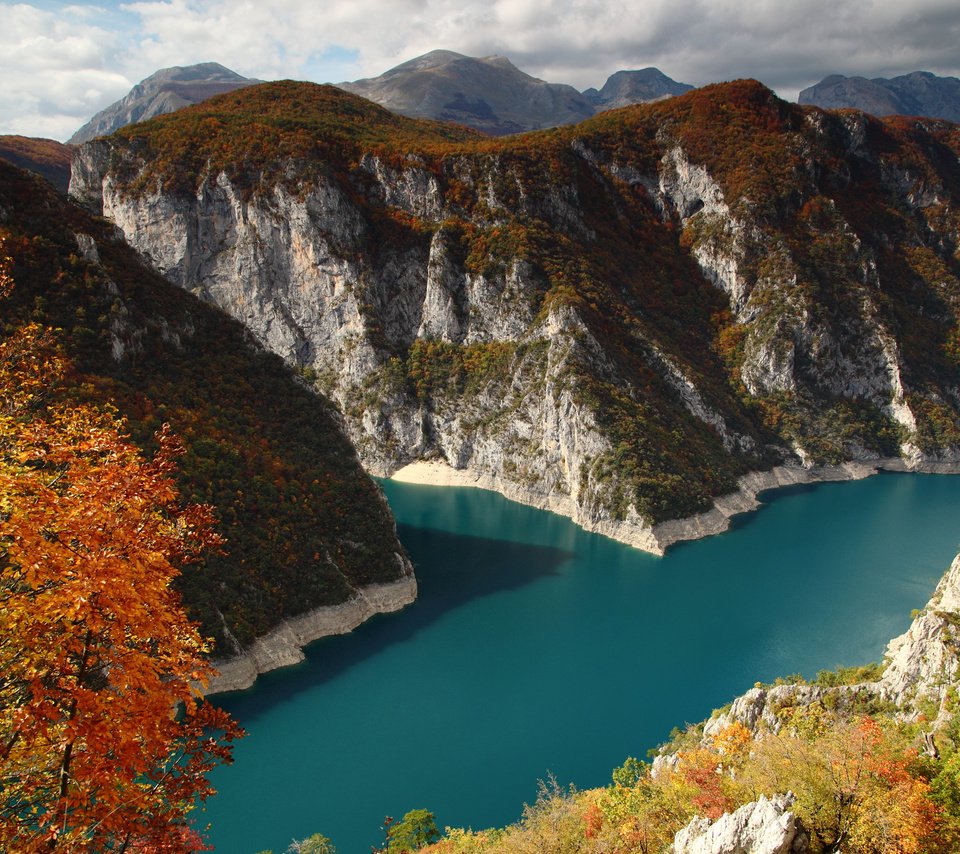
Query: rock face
620, 321
163, 92
760, 827
488, 93
923, 662
918, 94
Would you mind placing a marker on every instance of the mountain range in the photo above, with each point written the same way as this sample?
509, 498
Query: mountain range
620, 319
918, 94
638, 320
489, 94
492, 95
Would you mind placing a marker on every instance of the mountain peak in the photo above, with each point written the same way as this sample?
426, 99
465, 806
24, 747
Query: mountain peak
631, 87
163, 91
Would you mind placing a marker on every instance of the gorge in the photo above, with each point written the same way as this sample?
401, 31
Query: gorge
615, 320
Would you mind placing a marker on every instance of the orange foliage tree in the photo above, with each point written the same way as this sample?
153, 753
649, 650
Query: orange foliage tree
105, 742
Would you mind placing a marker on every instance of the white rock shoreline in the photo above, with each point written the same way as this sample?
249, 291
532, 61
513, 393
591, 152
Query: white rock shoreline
658, 538
283, 645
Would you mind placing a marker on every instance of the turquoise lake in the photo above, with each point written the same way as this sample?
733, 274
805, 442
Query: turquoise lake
536, 648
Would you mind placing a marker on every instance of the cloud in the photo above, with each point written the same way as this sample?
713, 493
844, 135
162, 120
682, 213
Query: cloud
57, 70
578, 41
63, 67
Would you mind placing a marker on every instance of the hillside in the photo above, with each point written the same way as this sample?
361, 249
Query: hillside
162, 92
918, 94
304, 525
46, 157
618, 320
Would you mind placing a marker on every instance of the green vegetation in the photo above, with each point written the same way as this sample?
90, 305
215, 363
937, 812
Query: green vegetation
303, 523
417, 829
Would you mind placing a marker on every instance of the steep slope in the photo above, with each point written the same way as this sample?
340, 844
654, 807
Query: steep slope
487, 93
46, 157
618, 320
624, 88
305, 527
918, 94
162, 92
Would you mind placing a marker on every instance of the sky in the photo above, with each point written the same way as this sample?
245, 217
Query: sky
61, 62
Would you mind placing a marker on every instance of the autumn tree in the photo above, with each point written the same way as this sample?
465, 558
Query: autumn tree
105, 742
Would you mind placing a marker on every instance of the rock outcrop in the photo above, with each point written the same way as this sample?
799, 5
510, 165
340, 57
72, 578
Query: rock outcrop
623, 325
923, 663
760, 827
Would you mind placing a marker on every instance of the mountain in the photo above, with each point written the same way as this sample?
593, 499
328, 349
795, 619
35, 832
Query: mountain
918, 94
643, 318
635, 87
46, 157
163, 92
489, 93
305, 527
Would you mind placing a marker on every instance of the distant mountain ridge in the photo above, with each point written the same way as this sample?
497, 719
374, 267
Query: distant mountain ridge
635, 87
488, 93
917, 94
492, 95
163, 92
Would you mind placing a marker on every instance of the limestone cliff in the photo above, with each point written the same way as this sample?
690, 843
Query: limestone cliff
305, 527
619, 321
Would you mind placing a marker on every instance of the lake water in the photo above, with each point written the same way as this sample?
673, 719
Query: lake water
536, 648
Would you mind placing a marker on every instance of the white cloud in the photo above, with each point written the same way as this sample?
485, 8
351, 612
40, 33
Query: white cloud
61, 67
57, 70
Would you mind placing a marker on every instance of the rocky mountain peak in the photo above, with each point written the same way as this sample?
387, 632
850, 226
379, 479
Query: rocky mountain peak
162, 92
634, 87
487, 93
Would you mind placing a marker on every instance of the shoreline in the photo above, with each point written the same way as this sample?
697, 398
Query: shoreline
283, 645
656, 539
